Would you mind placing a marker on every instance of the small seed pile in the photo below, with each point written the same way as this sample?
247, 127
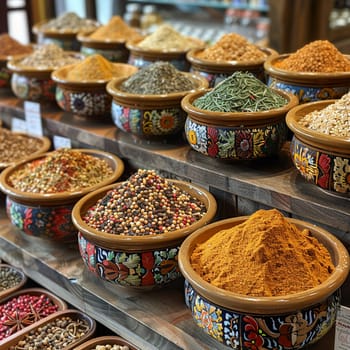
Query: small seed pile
145, 204
69, 21
48, 56
332, 120
54, 335
9, 278
110, 347
319, 56
59, 171
232, 47
241, 92
10, 46
15, 146
156, 79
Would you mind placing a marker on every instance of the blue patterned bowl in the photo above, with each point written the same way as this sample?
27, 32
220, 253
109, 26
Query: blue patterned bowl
150, 116
307, 86
138, 262
48, 215
244, 322
321, 159
239, 135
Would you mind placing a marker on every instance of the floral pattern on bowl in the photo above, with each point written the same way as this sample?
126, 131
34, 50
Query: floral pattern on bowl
270, 332
132, 269
5, 75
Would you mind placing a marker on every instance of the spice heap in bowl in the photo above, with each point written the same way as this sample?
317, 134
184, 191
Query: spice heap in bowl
164, 44
109, 40
317, 71
81, 87
11, 279
130, 232
9, 48
42, 190
241, 118
231, 53
31, 74
263, 281
148, 103
106, 342
63, 30
320, 146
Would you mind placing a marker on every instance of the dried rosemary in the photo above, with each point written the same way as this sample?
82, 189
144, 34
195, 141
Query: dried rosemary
240, 92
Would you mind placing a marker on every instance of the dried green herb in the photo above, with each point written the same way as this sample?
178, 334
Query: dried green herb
240, 92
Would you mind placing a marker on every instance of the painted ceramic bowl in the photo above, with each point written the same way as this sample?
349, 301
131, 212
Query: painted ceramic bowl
12, 279
104, 341
139, 262
245, 322
150, 116
321, 159
238, 135
48, 215
87, 98
216, 71
306, 85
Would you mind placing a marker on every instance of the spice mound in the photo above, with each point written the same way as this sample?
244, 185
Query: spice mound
167, 38
240, 92
232, 47
11, 47
333, 120
48, 56
145, 204
319, 56
61, 170
110, 347
266, 255
16, 146
69, 21
9, 278
116, 29
156, 79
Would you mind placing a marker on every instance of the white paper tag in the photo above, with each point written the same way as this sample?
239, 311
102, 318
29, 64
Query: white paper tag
342, 329
61, 142
18, 125
33, 118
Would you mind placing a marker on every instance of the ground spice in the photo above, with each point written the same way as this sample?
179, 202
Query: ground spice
93, 67
48, 56
10, 46
167, 38
264, 256
232, 47
145, 204
240, 92
60, 170
332, 120
115, 29
319, 56
156, 79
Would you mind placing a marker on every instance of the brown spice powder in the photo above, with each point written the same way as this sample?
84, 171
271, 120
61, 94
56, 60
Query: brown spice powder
10, 46
264, 256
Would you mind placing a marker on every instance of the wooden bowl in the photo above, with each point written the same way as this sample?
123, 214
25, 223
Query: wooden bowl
87, 98
105, 254
210, 133
307, 86
150, 116
48, 215
320, 158
215, 71
288, 322
105, 340
22, 280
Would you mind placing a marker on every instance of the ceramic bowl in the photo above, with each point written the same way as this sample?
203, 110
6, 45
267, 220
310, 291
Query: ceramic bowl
321, 159
216, 71
150, 116
139, 262
48, 215
75, 315
105, 340
12, 279
245, 322
307, 86
238, 135
86, 98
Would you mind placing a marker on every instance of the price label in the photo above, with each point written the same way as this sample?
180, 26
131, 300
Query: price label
342, 329
33, 118
61, 142
18, 125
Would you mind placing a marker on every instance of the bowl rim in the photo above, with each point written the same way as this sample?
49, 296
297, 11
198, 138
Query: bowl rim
140, 243
105, 339
60, 197
264, 305
236, 118
84, 38
315, 138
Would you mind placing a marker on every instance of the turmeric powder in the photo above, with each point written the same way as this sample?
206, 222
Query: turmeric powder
266, 255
